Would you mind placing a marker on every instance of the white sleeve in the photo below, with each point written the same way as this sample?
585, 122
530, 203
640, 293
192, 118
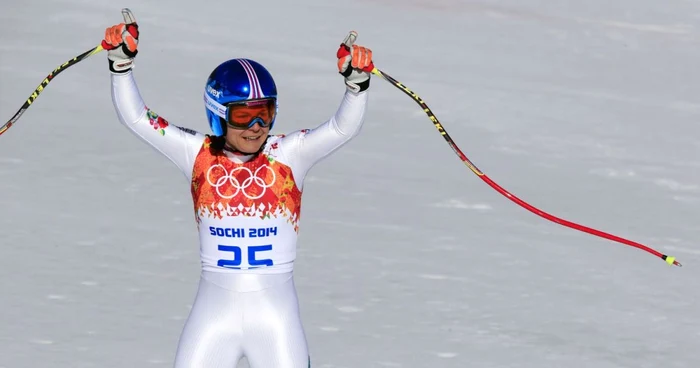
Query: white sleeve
307, 147
180, 145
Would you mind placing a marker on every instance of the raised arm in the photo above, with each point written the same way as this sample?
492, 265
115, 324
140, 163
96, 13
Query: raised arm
309, 146
313, 145
180, 145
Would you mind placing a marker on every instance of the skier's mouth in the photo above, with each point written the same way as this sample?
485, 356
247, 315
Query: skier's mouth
252, 138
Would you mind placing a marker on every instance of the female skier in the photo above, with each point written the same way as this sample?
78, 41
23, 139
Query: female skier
246, 189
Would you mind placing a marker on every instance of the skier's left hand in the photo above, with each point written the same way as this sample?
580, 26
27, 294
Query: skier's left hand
356, 65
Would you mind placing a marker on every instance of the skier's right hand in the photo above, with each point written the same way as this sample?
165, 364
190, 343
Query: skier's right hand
121, 42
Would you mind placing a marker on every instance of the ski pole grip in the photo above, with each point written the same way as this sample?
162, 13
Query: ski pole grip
128, 16
350, 39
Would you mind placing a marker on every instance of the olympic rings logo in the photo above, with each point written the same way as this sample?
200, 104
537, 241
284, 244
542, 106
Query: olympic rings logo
240, 186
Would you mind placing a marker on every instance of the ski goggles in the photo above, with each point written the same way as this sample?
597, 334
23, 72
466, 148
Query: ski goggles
244, 115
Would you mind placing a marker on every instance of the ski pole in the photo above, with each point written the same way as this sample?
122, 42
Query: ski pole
45, 82
670, 260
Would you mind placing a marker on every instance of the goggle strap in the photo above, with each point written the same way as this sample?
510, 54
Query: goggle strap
215, 107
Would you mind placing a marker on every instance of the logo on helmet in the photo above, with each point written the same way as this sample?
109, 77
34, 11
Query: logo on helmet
214, 92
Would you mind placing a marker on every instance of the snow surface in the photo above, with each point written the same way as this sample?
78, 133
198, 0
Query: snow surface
586, 109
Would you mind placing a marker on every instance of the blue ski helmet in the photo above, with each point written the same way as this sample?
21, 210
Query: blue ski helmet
236, 80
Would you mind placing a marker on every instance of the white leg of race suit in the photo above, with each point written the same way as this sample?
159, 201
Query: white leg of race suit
262, 323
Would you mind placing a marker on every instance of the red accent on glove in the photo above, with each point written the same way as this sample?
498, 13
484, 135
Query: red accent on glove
133, 29
369, 67
114, 36
343, 51
107, 46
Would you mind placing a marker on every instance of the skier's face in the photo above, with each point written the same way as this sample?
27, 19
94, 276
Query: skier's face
249, 140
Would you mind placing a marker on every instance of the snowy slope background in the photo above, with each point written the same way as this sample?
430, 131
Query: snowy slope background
588, 110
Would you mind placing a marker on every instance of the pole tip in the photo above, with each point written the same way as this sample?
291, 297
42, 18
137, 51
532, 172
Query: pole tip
672, 261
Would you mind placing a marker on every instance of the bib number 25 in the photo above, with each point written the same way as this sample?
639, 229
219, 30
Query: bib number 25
254, 258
